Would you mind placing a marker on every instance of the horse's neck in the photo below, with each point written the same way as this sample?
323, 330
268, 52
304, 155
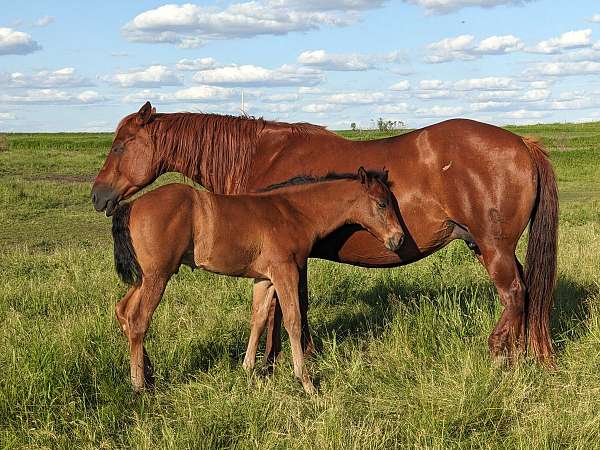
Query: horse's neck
326, 206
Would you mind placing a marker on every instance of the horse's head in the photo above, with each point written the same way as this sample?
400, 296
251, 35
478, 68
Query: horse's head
379, 214
128, 166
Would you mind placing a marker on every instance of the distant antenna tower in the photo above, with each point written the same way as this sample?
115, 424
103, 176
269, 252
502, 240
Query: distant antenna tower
242, 107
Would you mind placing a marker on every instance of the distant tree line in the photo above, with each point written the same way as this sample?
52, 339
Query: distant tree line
383, 125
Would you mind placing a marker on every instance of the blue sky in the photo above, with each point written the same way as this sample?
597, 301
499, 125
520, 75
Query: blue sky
67, 66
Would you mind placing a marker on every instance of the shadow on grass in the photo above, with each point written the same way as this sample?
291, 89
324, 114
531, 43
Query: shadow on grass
383, 302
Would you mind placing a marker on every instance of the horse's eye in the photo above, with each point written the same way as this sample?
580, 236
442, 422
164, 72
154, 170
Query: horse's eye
381, 205
118, 148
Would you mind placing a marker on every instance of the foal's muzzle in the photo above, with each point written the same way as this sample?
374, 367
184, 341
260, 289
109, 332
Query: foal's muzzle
395, 241
104, 198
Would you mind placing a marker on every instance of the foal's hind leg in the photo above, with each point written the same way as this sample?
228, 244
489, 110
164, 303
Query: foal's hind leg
121, 307
139, 310
508, 337
262, 298
273, 343
286, 284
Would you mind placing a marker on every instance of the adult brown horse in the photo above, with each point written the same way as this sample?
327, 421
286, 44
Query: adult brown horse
234, 235
458, 179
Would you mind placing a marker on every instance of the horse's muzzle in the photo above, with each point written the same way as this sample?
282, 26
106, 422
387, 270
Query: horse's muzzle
104, 198
393, 243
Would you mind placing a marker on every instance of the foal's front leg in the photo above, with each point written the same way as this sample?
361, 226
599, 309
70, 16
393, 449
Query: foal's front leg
263, 293
285, 279
139, 309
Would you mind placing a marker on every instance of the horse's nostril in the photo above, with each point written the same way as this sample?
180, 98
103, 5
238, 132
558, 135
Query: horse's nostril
94, 198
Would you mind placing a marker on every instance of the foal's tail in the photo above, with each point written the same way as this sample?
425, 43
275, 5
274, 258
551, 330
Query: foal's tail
126, 262
540, 272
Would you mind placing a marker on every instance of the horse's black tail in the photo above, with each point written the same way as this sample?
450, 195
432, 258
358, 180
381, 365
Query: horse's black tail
126, 262
540, 272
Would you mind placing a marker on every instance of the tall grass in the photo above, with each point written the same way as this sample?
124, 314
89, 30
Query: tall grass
402, 359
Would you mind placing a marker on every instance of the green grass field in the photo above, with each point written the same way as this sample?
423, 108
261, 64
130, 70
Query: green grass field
403, 358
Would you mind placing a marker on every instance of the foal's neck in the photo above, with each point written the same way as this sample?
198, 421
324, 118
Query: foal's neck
327, 205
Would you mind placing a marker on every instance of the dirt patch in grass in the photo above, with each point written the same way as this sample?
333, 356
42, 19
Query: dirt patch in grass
61, 178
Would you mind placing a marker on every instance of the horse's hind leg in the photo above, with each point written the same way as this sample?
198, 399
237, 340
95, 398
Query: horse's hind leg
262, 297
508, 337
138, 313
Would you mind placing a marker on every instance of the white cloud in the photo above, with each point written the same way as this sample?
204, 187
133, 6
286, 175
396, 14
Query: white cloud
595, 18
439, 111
250, 75
153, 76
403, 85
346, 62
575, 100
490, 106
433, 89
464, 48
570, 39
192, 94
535, 95
65, 77
525, 114
14, 42
280, 107
396, 108
193, 24
7, 116
310, 90
53, 96
497, 95
448, 6
90, 97
356, 98
196, 64
485, 84
497, 45
43, 21
319, 107
449, 49
564, 69
329, 5
280, 97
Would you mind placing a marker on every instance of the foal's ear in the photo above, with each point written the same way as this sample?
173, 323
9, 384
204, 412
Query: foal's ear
363, 176
143, 115
384, 178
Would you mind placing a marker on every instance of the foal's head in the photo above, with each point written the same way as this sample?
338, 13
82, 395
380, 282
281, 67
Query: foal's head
129, 164
377, 210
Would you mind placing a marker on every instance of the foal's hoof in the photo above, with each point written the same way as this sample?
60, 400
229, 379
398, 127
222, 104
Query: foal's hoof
309, 387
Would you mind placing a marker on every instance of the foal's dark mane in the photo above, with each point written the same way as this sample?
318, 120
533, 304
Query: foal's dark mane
215, 150
331, 176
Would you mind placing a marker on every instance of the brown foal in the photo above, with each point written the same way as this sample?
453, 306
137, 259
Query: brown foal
267, 236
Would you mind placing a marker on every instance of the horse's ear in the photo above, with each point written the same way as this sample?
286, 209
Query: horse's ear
362, 175
153, 110
143, 115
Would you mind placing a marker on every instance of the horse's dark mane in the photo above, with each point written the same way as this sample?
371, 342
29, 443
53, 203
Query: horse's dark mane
331, 176
215, 150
